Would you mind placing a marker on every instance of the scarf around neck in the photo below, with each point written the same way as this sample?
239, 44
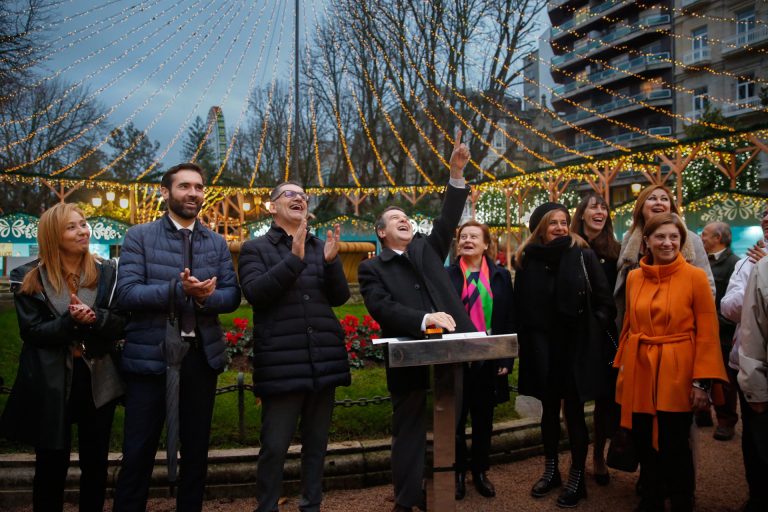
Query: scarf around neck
476, 295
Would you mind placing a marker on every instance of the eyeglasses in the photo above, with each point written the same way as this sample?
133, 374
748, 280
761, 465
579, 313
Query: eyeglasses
290, 194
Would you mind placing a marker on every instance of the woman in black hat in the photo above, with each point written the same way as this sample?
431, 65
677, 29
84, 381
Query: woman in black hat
563, 304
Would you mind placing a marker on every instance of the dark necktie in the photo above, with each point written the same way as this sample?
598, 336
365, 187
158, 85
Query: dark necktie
188, 313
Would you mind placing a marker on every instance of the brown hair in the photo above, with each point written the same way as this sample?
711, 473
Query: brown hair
381, 224
638, 221
605, 244
487, 238
49, 231
659, 220
538, 236
167, 179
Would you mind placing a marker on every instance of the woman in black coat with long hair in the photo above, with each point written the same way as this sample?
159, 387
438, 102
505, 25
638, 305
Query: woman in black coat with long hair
66, 373
592, 222
561, 298
486, 292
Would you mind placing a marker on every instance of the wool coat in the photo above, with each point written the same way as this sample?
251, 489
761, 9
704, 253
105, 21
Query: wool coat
150, 258
502, 321
629, 259
670, 337
400, 289
36, 411
561, 325
298, 343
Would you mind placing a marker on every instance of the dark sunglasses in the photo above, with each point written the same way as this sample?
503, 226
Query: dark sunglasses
290, 194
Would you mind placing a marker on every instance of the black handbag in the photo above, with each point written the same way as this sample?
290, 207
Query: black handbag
613, 346
622, 454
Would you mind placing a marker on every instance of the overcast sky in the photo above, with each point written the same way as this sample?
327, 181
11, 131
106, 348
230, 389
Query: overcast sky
160, 63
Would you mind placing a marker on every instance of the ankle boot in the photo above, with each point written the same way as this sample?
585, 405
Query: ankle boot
548, 481
575, 489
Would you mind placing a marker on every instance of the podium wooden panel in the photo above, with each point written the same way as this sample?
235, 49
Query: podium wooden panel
447, 355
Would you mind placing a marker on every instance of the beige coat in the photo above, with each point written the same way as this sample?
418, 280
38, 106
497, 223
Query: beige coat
753, 335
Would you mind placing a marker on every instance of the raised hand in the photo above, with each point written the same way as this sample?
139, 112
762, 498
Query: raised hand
331, 248
459, 157
756, 252
299, 238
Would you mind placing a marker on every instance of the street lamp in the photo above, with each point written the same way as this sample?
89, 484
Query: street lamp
123, 202
96, 201
110, 196
636, 188
247, 207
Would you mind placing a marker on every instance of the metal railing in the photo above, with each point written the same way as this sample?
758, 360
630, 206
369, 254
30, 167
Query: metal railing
620, 103
630, 66
748, 37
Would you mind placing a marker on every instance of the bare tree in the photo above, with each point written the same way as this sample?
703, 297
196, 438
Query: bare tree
21, 41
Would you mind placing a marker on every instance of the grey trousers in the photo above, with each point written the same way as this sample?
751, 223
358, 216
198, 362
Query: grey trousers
279, 417
409, 444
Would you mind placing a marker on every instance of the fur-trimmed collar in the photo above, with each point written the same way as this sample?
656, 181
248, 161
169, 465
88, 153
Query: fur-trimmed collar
633, 242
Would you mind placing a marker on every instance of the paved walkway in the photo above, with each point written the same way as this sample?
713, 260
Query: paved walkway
720, 488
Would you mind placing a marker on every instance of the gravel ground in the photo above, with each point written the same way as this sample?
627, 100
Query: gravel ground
720, 488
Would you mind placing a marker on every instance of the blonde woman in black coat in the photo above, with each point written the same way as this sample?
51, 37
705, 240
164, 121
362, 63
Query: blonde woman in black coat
561, 298
66, 373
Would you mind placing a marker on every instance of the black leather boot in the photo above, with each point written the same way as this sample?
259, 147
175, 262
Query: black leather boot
483, 485
575, 489
548, 481
461, 485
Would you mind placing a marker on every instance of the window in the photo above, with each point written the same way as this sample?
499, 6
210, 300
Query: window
700, 100
498, 140
745, 87
699, 38
746, 21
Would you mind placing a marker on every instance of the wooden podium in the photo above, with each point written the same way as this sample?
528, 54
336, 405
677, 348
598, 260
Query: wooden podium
447, 354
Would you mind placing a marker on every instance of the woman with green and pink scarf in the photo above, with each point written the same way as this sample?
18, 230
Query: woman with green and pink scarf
486, 292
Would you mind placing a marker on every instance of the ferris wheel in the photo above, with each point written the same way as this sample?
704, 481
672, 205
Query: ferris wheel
217, 138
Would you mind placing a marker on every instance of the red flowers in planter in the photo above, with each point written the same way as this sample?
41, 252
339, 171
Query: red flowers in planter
357, 340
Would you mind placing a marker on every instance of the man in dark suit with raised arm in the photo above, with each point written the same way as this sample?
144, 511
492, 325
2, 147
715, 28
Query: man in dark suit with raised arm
406, 288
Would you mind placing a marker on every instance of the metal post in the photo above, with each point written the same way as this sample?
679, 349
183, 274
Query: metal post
241, 405
296, 96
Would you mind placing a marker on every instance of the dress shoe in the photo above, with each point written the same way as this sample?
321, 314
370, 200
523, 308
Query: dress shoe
483, 485
548, 481
574, 491
723, 433
461, 485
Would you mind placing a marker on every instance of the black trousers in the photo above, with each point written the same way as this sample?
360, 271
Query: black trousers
578, 435
409, 445
668, 471
144, 419
755, 432
478, 403
94, 427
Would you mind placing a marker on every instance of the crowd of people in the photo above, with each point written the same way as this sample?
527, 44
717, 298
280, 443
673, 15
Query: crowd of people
654, 330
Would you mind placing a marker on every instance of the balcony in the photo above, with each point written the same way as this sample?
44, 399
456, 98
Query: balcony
691, 4
698, 56
627, 138
753, 37
637, 101
583, 19
611, 37
742, 106
636, 65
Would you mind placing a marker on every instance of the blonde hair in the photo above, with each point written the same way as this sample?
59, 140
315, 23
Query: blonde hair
49, 232
638, 220
538, 236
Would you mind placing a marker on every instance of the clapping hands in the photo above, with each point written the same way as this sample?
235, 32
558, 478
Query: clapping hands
80, 312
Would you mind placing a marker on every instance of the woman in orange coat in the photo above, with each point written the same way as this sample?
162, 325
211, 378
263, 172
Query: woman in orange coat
668, 357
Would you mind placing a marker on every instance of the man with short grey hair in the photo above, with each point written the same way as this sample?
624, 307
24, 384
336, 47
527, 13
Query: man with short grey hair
716, 238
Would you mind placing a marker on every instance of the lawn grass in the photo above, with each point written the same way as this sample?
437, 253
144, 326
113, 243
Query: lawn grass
356, 422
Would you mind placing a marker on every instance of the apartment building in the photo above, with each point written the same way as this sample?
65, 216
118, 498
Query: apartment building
614, 61
723, 48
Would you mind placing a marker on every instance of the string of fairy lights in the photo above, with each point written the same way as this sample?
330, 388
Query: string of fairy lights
176, 16
92, 96
211, 80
